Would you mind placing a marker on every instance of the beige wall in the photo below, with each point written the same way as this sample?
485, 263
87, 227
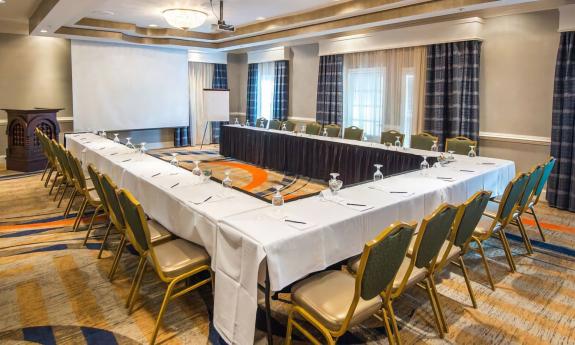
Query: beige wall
238, 82
304, 68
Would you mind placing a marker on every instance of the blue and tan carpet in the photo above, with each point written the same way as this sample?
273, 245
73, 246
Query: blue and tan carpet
54, 291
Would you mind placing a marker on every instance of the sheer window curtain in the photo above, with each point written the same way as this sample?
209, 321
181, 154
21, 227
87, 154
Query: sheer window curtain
383, 91
201, 77
266, 82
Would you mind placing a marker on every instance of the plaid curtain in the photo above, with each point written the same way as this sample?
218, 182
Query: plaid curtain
330, 90
219, 81
452, 90
252, 106
561, 184
281, 90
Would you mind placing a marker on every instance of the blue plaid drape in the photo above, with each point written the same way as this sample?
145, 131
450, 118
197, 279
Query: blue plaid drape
561, 184
452, 90
252, 106
330, 90
219, 81
281, 90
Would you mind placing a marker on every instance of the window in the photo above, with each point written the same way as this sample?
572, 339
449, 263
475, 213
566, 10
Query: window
407, 101
364, 100
266, 78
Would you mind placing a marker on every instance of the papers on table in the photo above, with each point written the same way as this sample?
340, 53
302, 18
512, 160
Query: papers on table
353, 204
291, 220
398, 192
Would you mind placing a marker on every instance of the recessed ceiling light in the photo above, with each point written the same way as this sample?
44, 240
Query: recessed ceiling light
103, 12
153, 25
261, 18
2, 1
42, 31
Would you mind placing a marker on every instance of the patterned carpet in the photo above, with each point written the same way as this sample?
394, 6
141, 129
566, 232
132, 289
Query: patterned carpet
249, 178
53, 291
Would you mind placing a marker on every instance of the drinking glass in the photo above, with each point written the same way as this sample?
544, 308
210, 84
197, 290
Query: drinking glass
302, 129
450, 157
472, 153
424, 166
129, 144
207, 174
236, 121
143, 149
227, 181
335, 184
397, 143
324, 132
174, 160
262, 124
103, 134
377, 176
284, 127
434, 147
364, 137
116, 138
278, 199
247, 123
197, 171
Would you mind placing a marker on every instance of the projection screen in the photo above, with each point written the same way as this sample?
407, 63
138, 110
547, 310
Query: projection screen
124, 87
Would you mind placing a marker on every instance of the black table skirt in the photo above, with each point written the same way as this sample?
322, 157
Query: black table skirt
312, 157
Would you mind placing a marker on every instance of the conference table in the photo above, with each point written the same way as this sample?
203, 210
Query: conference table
250, 241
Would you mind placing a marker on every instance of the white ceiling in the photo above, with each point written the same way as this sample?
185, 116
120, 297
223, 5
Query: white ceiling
18, 9
236, 12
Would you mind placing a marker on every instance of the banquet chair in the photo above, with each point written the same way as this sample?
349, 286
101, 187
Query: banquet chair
457, 245
259, 122
535, 175
158, 233
353, 133
535, 198
55, 167
459, 145
95, 178
89, 193
275, 124
67, 180
173, 261
290, 125
422, 141
494, 224
391, 136
333, 311
333, 130
313, 128
59, 176
40, 138
418, 267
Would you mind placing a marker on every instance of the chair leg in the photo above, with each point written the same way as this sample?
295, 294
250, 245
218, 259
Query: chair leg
507, 250
289, 329
98, 209
80, 215
485, 264
45, 170
49, 177
436, 316
54, 183
395, 330
117, 257
108, 229
439, 309
137, 282
526, 240
538, 224
70, 203
385, 318
63, 195
63, 183
467, 281
165, 303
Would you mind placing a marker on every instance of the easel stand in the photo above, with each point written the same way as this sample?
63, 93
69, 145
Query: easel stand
204, 136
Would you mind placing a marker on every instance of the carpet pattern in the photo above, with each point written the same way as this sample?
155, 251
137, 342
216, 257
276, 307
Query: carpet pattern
251, 179
54, 291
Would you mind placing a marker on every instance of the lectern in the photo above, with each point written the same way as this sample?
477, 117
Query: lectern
24, 152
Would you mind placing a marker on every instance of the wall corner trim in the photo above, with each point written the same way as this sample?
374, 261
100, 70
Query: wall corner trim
515, 138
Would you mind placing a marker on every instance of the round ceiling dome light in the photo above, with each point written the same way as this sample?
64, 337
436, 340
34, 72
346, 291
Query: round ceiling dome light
184, 19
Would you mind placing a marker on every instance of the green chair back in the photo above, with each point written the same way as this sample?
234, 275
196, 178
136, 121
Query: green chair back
259, 122
135, 221
534, 178
77, 171
471, 213
95, 177
422, 141
544, 177
275, 124
290, 125
435, 229
353, 133
510, 198
332, 130
459, 145
110, 188
391, 136
62, 158
382, 258
313, 128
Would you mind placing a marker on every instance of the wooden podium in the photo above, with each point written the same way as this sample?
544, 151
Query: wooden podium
24, 152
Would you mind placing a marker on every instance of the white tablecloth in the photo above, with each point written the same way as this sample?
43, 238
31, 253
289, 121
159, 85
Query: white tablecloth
241, 231
336, 232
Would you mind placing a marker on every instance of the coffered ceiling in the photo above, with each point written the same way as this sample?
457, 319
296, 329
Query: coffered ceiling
258, 22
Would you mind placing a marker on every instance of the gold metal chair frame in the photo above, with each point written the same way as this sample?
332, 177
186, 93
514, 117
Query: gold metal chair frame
393, 133
535, 197
353, 133
459, 140
331, 336
423, 135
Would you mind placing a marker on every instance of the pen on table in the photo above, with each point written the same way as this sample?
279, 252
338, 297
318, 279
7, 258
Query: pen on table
294, 221
127, 160
445, 178
465, 170
394, 192
177, 184
207, 199
156, 174
350, 204
113, 154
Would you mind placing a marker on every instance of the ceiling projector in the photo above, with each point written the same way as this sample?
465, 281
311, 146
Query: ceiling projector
221, 25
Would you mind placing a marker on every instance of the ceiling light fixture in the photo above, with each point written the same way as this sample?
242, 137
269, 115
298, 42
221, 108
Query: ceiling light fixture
153, 25
2, 2
43, 31
261, 18
184, 19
